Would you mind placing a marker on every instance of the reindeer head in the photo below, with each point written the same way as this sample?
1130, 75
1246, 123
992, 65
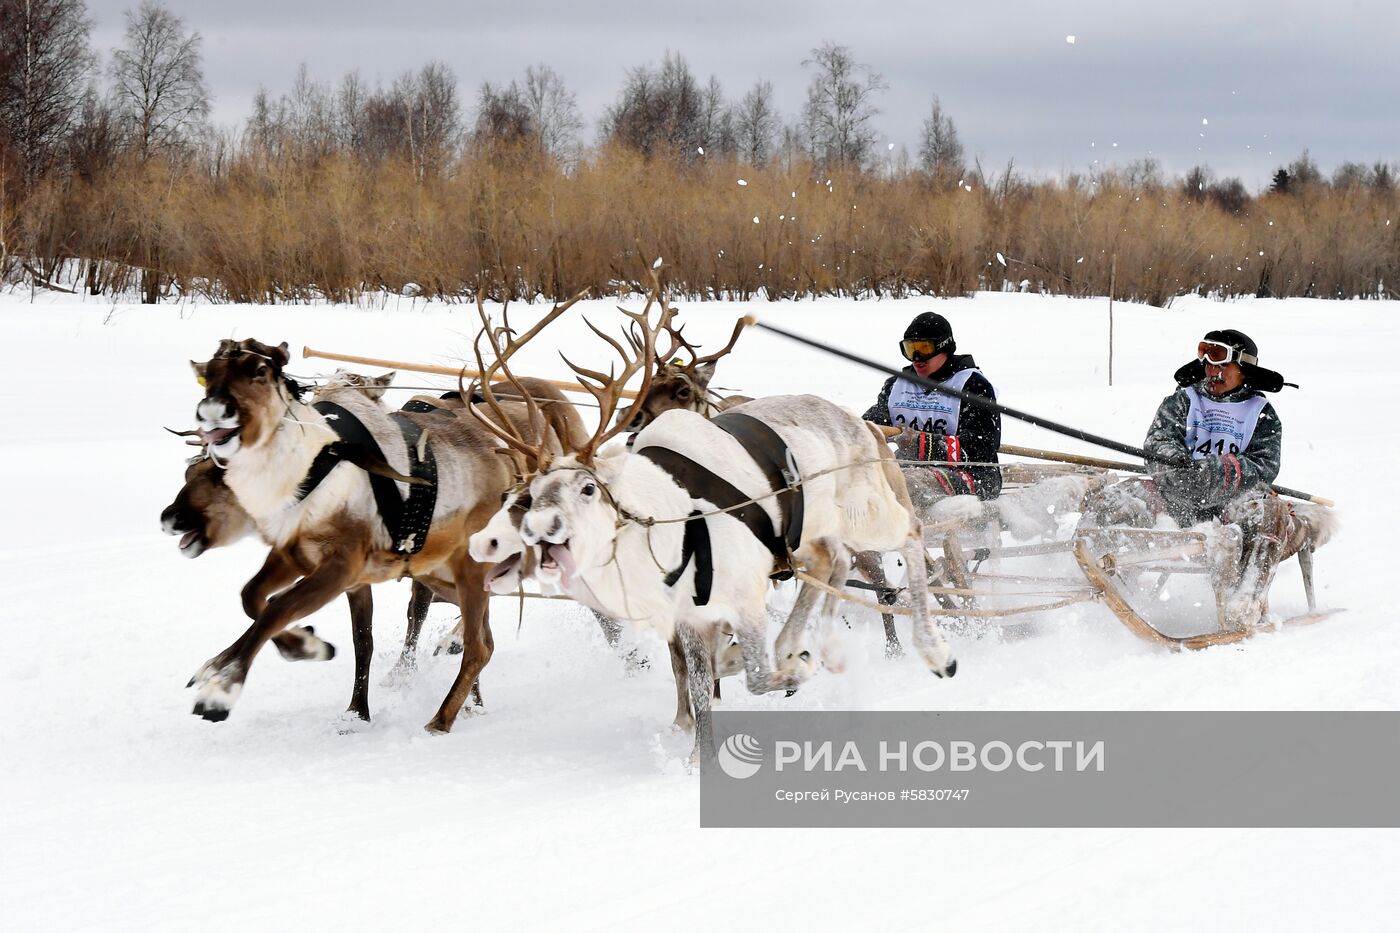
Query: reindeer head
373, 387
499, 542
678, 384
245, 395
205, 513
572, 517
674, 386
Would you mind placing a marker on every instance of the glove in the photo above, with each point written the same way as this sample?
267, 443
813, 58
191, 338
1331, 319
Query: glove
920, 445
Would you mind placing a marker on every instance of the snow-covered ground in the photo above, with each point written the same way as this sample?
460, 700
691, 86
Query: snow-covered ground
566, 806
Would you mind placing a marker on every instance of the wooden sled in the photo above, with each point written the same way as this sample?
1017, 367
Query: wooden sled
1168, 552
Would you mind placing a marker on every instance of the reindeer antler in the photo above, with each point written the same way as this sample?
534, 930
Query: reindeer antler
640, 336
504, 344
678, 342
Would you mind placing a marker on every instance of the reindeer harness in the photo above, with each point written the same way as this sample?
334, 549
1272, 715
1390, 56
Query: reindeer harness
772, 455
407, 520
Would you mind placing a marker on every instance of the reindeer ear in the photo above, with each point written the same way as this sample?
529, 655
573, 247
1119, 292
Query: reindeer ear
281, 354
703, 374
377, 385
199, 370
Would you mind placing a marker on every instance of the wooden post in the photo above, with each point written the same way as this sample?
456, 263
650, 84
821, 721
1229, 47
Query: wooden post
1112, 282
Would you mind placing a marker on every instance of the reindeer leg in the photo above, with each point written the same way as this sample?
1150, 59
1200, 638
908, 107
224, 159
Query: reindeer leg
699, 678
793, 647
277, 573
1267, 525
477, 643
759, 675
362, 634
928, 638
1305, 564
867, 564
419, 600
684, 720
220, 680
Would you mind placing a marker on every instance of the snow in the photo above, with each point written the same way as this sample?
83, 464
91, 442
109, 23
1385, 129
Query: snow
566, 805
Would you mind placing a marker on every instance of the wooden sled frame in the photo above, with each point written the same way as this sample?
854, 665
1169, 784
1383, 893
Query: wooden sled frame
953, 585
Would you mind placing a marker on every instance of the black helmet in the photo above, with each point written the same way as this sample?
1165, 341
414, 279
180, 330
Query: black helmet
1234, 347
934, 328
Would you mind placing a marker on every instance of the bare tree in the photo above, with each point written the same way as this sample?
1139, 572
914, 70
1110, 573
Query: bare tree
659, 112
553, 111
44, 59
838, 118
350, 101
312, 114
503, 117
267, 126
756, 124
436, 123
1197, 183
940, 150
159, 78
1351, 175
95, 140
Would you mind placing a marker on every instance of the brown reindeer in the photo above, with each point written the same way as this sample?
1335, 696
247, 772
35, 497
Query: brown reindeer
336, 536
206, 514
677, 384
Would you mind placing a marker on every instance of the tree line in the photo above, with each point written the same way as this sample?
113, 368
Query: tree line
111, 173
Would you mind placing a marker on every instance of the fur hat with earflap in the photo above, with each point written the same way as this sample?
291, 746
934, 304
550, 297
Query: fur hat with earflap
1231, 346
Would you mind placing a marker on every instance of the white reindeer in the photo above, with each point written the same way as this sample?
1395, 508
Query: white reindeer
610, 524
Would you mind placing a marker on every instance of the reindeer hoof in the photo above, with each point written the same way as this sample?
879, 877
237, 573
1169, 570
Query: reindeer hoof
210, 713
302, 644
948, 671
791, 693
218, 691
451, 643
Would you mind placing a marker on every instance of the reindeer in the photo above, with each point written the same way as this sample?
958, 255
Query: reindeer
612, 524
684, 385
206, 515
332, 538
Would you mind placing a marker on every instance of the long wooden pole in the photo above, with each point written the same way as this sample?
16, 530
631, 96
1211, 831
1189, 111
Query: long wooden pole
308, 352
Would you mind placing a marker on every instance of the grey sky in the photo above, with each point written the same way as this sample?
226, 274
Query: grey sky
1270, 77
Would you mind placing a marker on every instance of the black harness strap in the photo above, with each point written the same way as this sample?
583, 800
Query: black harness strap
410, 531
407, 522
700, 483
696, 543
420, 407
775, 459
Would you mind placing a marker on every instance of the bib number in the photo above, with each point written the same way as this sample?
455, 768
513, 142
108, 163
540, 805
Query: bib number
930, 426
1219, 448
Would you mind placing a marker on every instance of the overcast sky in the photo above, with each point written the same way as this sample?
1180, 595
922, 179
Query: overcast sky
1240, 86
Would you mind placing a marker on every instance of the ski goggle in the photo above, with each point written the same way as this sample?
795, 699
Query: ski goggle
917, 351
1221, 354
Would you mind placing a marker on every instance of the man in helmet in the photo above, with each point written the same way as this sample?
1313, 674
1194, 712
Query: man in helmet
1215, 445
940, 428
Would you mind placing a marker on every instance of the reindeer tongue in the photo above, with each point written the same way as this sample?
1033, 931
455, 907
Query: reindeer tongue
501, 569
561, 556
217, 436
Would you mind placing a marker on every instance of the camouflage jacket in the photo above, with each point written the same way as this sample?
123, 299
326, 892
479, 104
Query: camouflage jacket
979, 434
1198, 490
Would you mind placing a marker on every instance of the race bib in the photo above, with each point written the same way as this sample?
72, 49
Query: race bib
1218, 428
927, 410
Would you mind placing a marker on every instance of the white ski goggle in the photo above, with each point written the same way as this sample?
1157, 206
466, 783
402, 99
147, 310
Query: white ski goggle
1221, 354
